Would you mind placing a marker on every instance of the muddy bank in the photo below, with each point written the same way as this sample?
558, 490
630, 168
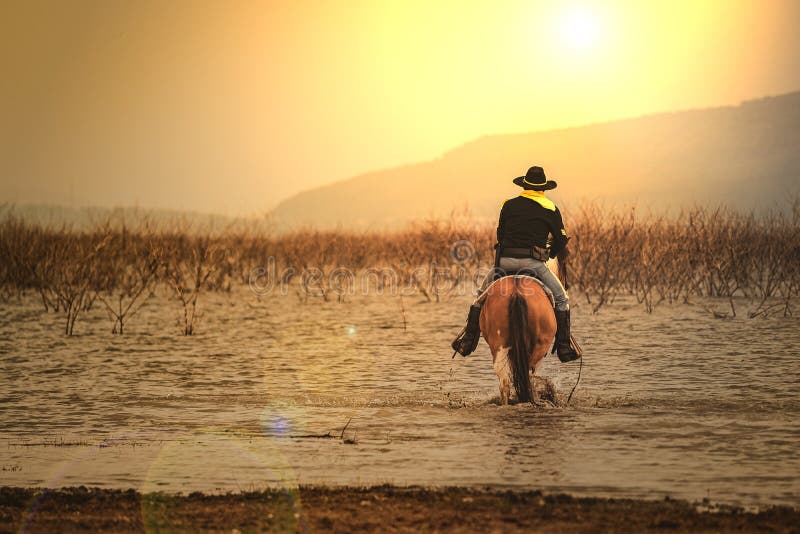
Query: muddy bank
384, 508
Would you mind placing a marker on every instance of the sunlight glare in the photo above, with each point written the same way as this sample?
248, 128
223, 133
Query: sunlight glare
579, 28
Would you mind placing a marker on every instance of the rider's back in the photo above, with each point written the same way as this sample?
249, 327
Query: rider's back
525, 223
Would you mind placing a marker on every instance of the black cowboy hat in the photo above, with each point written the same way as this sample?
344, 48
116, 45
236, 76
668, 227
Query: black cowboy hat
535, 179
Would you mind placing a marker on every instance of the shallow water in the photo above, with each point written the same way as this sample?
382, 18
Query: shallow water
674, 403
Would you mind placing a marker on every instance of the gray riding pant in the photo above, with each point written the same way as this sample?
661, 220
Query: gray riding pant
535, 268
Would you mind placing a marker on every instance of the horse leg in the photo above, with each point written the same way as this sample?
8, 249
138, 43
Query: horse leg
539, 352
502, 368
536, 401
535, 393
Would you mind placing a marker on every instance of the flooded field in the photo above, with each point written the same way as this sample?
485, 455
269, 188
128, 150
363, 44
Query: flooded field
676, 402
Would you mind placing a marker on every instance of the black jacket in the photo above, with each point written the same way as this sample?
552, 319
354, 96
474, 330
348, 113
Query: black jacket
525, 223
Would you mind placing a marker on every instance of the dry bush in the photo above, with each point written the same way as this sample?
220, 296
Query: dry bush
63, 267
188, 267
700, 253
132, 268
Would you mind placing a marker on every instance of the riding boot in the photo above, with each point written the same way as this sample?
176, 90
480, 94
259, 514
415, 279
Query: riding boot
566, 352
467, 341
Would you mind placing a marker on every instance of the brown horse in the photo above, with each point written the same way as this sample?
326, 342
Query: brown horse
518, 323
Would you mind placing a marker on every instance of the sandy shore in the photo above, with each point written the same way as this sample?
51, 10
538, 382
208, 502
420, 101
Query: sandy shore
382, 508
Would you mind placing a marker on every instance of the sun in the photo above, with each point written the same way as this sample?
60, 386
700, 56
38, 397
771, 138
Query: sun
579, 28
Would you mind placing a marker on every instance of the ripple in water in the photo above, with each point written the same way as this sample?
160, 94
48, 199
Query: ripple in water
673, 403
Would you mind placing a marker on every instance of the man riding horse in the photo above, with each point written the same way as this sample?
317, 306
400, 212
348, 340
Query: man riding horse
524, 244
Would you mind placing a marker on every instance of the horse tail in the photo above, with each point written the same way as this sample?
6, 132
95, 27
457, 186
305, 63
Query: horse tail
520, 344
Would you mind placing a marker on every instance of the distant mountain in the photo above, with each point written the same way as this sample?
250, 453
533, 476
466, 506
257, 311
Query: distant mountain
744, 156
133, 218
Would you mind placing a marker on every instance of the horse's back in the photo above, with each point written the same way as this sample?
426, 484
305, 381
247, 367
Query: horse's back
531, 288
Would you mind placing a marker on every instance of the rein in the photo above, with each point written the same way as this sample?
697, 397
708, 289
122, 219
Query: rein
580, 368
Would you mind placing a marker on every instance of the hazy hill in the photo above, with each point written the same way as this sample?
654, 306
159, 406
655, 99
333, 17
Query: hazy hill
133, 218
747, 155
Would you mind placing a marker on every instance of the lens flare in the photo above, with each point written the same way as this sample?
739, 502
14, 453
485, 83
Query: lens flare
226, 459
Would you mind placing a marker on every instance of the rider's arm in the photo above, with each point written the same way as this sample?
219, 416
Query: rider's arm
559, 235
501, 224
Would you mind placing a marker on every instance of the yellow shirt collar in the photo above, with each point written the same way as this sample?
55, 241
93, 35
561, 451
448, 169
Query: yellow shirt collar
538, 196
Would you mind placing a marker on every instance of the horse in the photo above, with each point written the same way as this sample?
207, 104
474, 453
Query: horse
518, 323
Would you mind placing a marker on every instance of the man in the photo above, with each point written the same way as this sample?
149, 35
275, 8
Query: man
523, 237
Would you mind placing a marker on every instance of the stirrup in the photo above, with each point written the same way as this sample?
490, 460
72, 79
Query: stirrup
467, 341
457, 342
462, 347
575, 351
567, 357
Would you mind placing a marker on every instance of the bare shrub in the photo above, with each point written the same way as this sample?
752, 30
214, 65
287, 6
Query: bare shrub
127, 287
187, 269
741, 259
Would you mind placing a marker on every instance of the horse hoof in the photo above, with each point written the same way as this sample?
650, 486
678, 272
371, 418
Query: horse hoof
543, 403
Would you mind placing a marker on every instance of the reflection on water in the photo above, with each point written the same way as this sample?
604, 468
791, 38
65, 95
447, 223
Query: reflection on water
676, 402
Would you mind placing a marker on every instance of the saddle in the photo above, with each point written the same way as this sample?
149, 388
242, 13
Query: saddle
546, 289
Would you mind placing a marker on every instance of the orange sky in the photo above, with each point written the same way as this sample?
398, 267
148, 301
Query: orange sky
232, 106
